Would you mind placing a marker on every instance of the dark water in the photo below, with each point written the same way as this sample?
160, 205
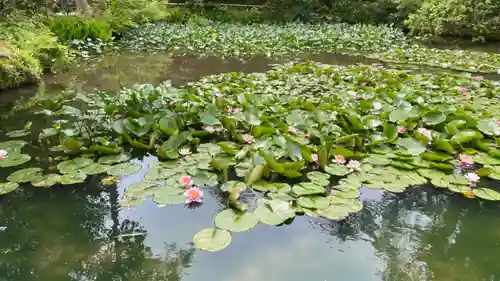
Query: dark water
79, 233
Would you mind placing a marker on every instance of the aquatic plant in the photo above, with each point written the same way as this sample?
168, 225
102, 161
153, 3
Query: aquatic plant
337, 145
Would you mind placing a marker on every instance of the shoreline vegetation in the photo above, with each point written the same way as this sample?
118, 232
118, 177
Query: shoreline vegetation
386, 35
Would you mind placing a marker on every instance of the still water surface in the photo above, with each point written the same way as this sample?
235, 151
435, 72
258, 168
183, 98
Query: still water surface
79, 233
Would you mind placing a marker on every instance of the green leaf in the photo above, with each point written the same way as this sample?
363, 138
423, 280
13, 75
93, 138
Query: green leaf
274, 212
307, 188
139, 127
208, 119
73, 166
377, 159
212, 239
255, 174
25, 175
443, 145
489, 127
434, 117
390, 132
94, 169
487, 194
236, 222
113, 159
7, 187
337, 170
169, 195
413, 146
319, 178
72, 178
230, 185
47, 180
399, 115
466, 136
11, 161
221, 163
168, 126
124, 169
313, 202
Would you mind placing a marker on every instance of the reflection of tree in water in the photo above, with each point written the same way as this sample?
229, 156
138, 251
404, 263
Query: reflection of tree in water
428, 235
66, 234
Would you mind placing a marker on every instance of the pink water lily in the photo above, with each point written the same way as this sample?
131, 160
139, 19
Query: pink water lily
3, 154
477, 78
314, 157
401, 129
463, 90
355, 97
193, 194
465, 159
209, 129
497, 123
472, 177
309, 135
186, 181
234, 110
248, 138
339, 159
426, 133
354, 165
292, 129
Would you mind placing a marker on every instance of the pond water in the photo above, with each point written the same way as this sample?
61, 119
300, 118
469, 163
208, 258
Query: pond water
81, 233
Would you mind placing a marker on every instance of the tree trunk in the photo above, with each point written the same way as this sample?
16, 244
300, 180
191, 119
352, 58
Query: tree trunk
83, 6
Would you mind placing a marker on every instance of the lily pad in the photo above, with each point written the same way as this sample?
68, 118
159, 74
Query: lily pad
11, 162
319, 178
124, 169
7, 187
94, 169
73, 178
73, 166
274, 212
131, 202
114, 159
337, 170
413, 146
47, 180
212, 239
235, 222
230, 185
26, 175
313, 202
307, 188
487, 194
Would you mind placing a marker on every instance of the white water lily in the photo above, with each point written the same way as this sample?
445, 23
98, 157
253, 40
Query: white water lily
472, 177
354, 165
3, 153
184, 151
426, 133
377, 106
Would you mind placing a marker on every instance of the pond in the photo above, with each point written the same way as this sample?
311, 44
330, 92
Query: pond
80, 232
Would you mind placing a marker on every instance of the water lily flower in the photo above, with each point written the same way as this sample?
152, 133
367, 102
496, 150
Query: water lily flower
184, 151
477, 78
3, 154
355, 97
186, 181
377, 106
314, 157
309, 135
193, 194
234, 110
463, 90
465, 160
401, 129
354, 165
209, 129
497, 123
339, 159
426, 133
292, 129
472, 177
248, 138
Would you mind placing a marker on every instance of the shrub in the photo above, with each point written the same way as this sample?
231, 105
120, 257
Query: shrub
69, 28
479, 19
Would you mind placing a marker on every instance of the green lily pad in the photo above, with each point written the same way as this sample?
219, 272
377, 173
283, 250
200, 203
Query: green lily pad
431, 174
169, 196
94, 169
337, 170
313, 202
319, 178
212, 239
17, 133
487, 194
73, 178
280, 196
131, 202
138, 189
413, 146
348, 193
124, 169
307, 188
73, 166
377, 159
25, 175
114, 159
11, 162
336, 212
47, 180
274, 212
7, 187
12, 144
230, 185
235, 222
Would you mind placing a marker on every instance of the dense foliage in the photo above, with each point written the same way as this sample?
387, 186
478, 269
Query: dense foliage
303, 138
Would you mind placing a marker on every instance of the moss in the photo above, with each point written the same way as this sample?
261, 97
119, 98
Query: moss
16, 67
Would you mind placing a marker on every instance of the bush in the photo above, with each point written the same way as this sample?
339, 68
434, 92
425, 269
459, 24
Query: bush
69, 28
17, 67
297, 10
479, 19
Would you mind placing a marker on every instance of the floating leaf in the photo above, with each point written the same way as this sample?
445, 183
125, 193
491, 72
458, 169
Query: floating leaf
109, 180
319, 178
25, 175
413, 146
399, 115
313, 202
73, 178
17, 133
307, 188
94, 169
47, 180
337, 170
113, 159
212, 239
169, 196
489, 127
235, 222
274, 212
434, 117
11, 162
7, 187
487, 194
230, 185
73, 166
124, 169
131, 202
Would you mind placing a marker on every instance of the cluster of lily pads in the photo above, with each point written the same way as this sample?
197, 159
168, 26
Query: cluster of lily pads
385, 43
303, 138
